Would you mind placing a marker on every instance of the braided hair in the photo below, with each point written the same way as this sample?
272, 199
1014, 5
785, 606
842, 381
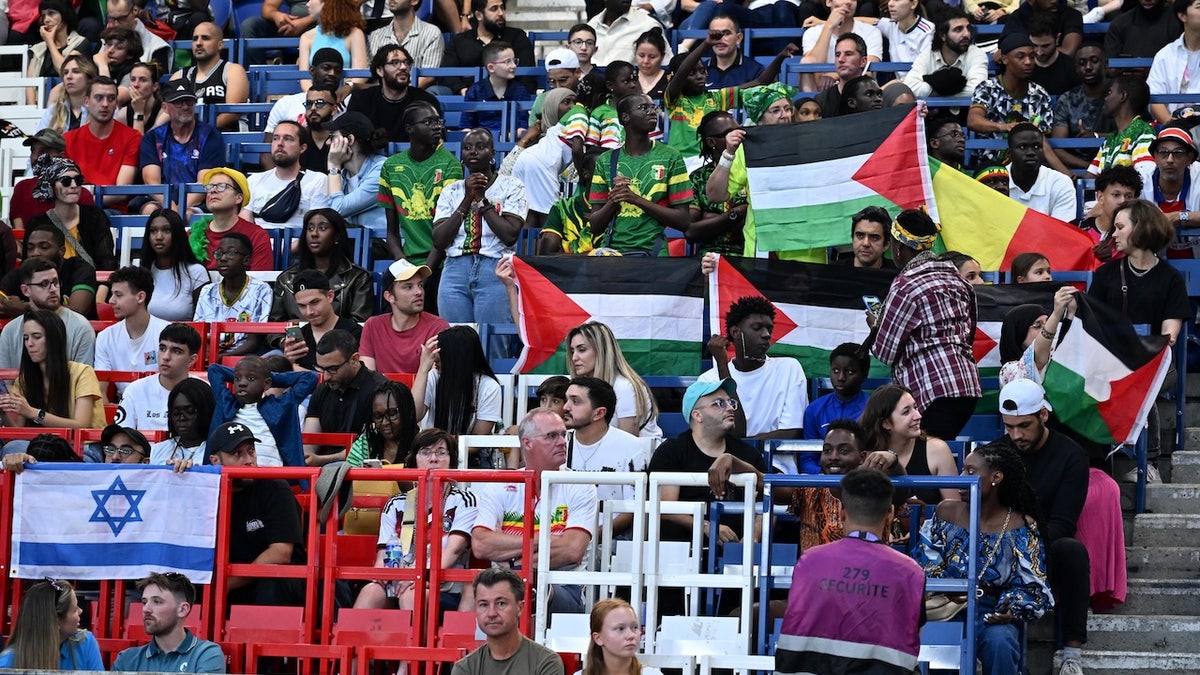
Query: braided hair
1015, 490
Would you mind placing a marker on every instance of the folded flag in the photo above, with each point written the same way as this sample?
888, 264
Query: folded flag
96, 521
654, 307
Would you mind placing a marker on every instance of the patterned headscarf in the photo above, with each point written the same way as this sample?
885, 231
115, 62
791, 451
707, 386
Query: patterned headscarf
46, 170
550, 105
756, 100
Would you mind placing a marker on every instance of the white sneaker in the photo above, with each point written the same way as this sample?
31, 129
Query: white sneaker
1071, 667
1096, 15
1152, 475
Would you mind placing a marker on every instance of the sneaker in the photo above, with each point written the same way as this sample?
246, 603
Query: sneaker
1096, 15
1152, 475
1071, 667
1056, 662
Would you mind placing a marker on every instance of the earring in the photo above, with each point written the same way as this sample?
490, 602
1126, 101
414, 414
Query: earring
993, 483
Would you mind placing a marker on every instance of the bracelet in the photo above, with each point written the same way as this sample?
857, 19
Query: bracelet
1047, 334
726, 160
461, 213
893, 454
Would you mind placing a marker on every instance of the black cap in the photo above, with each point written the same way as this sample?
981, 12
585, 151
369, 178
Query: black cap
328, 55
228, 436
352, 123
177, 90
1014, 41
310, 280
134, 435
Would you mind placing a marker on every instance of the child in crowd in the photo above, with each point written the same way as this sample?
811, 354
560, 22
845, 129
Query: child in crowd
1030, 267
272, 418
567, 229
237, 297
500, 85
620, 80
848, 368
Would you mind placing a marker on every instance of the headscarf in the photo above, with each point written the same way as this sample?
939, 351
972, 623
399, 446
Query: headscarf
756, 100
47, 170
894, 91
1015, 328
550, 105
911, 229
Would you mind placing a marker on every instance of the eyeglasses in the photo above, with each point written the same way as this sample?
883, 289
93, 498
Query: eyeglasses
553, 435
48, 283
217, 188
725, 404
68, 181
1163, 153
318, 104
389, 414
429, 452
580, 42
431, 121
955, 133
330, 370
119, 18
122, 450
399, 63
227, 253
183, 411
514, 61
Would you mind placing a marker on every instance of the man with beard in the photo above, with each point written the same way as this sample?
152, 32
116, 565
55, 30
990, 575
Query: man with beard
213, 79
1067, 22
953, 66
320, 104
288, 142
466, 48
385, 105
1058, 471
1140, 31
167, 600
326, 71
1173, 183
1125, 99
945, 142
178, 152
1033, 184
423, 41
40, 283
1079, 112
1051, 67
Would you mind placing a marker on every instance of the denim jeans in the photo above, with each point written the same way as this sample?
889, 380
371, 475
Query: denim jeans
470, 292
997, 645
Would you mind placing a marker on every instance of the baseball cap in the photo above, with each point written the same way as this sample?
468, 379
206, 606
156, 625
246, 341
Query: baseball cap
1014, 41
355, 123
402, 270
698, 390
178, 90
561, 58
328, 55
1173, 133
47, 137
134, 435
228, 436
310, 280
1023, 397
238, 178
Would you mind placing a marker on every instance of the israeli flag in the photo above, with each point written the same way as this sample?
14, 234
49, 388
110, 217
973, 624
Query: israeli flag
96, 521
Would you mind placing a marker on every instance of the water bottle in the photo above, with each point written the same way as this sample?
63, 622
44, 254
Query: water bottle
392, 557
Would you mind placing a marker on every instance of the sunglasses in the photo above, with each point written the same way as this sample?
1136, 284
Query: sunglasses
68, 181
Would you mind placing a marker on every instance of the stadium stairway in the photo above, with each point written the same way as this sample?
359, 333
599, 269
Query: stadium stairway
1157, 630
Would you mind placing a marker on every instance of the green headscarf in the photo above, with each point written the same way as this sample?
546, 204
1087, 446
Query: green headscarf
756, 100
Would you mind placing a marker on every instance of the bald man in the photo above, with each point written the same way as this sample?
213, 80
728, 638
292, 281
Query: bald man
214, 79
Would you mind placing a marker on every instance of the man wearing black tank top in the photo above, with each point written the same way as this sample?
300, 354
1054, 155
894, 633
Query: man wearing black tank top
213, 79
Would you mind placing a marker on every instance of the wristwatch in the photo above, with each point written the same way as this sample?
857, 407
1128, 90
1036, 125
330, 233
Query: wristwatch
41, 417
1183, 216
733, 216
139, 118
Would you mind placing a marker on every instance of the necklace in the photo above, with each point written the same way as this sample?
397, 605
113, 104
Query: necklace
991, 555
1140, 273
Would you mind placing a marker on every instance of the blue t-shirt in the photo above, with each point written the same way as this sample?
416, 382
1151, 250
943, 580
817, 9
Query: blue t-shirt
79, 652
492, 120
817, 417
182, 162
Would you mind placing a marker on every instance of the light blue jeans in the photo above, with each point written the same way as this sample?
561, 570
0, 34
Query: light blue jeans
469, 292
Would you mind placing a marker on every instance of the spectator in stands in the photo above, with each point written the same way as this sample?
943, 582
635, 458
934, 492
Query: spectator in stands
649, 50
57, 39
1013, 576
500, 64
46, 634
310, 292
499, 601
926, 327
213, 79
581, 39
818, 509
616, 639
594, 351
1168, 73
773, 391
596, 445
1058, 470
227, 191
386, 105
189, 415
409, 185
271, 417
422, 41
167, 601
144, 402
142, 112
275, 22
465, 49
132, 343
870, 229
616, 29
1011, 98
392, 424
393, 342
354, 165
820, 45
895, 438
850, 63
539, 168
86, 228
952, 66
326, 71
265, 521
124, 445
649, 190
105, 150
32, 286
994, 177
982, 12
180, 151
325, 251
968, 267
1030, 267
320, 104
848, 369
44, 240
1080, 112
566, 228
1114, 186
1068, 22
716, 227
236, 297
1033, 184
42, 448
764, 15
861, 94
498, 532
431, 449
178, 277
729, 67
50, 390
66, 110
121, 50
1143, 29
907, 30
1027, 335
887, 635
341, 27
1052, 68
44, 147
279, 197
343, 403
1174, 184
127, 14
1125, 102
456, 390
710, 409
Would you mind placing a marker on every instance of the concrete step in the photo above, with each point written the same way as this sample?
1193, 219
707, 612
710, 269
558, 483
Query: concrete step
1162, 562
1139, 663
1165, 529
1153, 597
1185, 466
1146, 634
1177, 497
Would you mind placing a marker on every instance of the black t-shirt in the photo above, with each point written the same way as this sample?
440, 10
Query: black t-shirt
264, 512
73, 275
387, 114
1058, 472
1153, 298
315, 157
1058, 77
309, 360
830, 100
347, 411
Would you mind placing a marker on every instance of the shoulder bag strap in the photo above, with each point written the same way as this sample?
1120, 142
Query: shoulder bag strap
612, 179
62, 227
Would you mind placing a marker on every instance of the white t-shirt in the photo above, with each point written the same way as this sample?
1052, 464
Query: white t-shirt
144, 405
539, 168
161, 451
502, 509
115, 350
489, 401
907, 45
290, 108
773, 395
265, 448
617, 451
314, 194
506, 194
870, 34
172, 301
627, 407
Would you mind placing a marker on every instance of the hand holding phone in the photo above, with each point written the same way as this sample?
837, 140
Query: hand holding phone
873, 304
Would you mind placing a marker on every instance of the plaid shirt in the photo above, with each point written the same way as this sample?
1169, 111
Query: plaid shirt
926, 331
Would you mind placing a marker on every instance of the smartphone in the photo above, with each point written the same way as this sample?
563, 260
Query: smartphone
373, 463
3, 388
294, 333
872, 303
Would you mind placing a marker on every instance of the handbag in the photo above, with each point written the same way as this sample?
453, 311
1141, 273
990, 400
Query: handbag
281, 207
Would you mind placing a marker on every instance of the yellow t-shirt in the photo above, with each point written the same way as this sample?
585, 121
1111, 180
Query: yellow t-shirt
83, 383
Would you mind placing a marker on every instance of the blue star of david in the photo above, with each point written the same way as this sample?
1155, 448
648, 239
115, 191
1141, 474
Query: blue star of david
132, 497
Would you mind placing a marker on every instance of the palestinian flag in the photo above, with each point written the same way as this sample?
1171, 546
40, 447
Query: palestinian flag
654, 306
806, 180
1103, 377
994, 229
992, 303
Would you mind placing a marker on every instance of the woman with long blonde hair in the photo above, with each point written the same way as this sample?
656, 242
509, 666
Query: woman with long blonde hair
593, 350
46, 635
616, 639
66, 111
